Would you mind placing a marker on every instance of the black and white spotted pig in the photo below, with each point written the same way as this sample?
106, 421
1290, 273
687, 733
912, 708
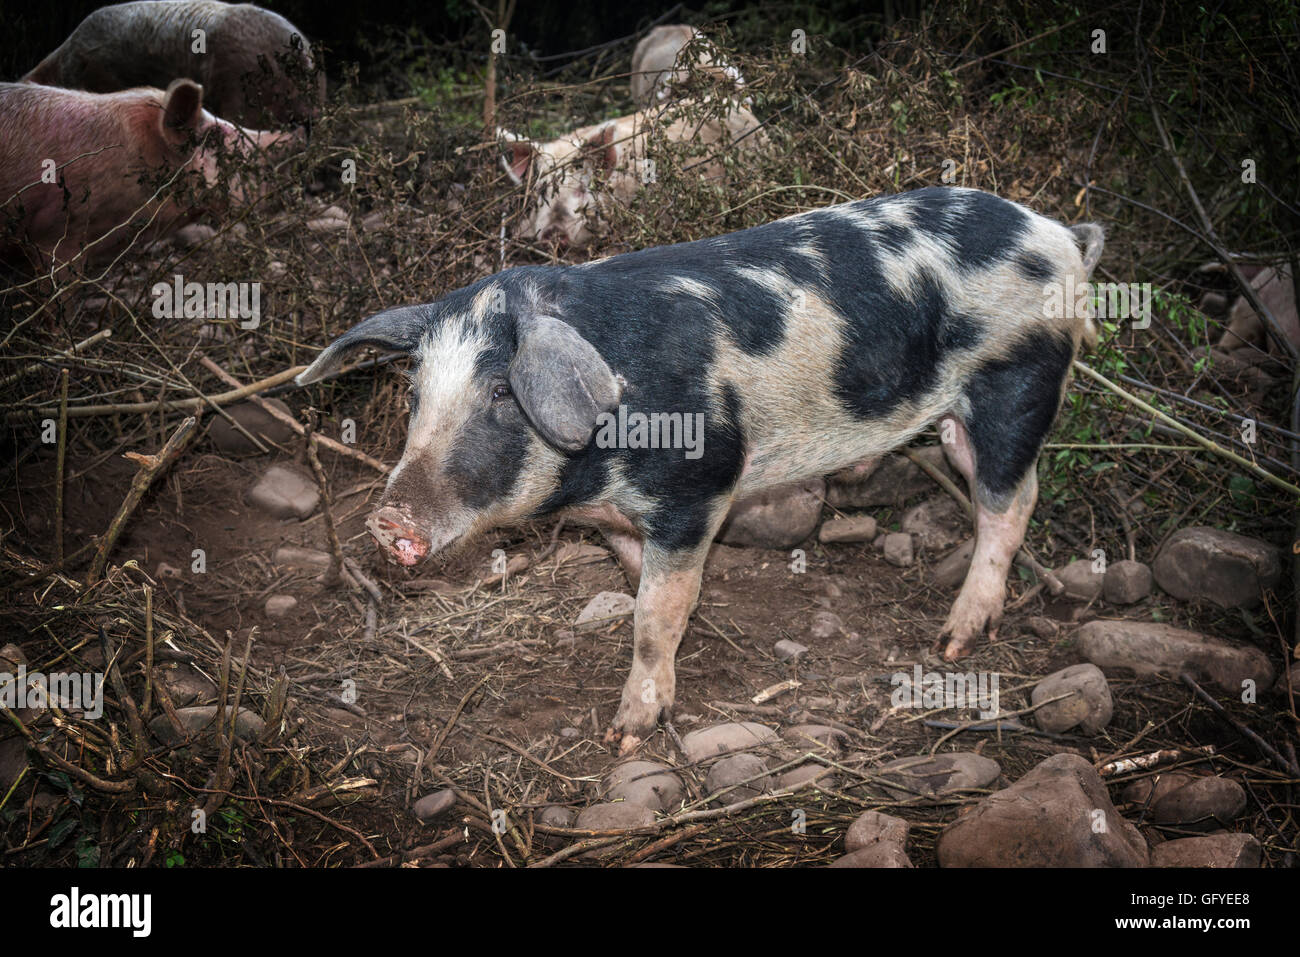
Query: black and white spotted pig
809, 344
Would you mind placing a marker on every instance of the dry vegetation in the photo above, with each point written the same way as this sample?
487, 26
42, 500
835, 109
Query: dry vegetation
1034, 121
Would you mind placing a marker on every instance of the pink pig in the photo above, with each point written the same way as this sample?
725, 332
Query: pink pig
83, 170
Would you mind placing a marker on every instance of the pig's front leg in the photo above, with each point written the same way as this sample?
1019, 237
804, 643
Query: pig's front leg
670, 587
628, 550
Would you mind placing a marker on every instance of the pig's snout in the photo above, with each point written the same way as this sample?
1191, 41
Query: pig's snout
556, 235
396, 532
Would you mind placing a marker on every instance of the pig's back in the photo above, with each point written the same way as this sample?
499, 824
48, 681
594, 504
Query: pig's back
870, 313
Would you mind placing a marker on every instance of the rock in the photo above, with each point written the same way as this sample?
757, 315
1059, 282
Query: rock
731, 771
898, 549
185, 685
1213, 850
197, 718
854, 528
807, 772
951, 570
431, 805
1146, 791
936, 524
1275, 289
877, 855
554, 815
311, 559
193, 234
611, 817
1080, 581
13, 760
11, 659
284, 493
1090, 705
1153, 648
256, 420
725, 738
817, 738
1057, 815
606, 607
960, 770
1043, 627
165, 570
646, 783
1126, 582
570, 733
786, 649
780, 517
873, 827
1209, 564
1207, 803
892, 482
277, 606
826, 624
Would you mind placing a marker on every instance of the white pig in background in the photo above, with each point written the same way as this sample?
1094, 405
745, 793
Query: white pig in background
76, 167
655, 70
561, 174
255, 66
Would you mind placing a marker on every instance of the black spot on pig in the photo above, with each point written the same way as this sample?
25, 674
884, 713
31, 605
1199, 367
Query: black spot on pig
1035, 267
981, 228
1013, 402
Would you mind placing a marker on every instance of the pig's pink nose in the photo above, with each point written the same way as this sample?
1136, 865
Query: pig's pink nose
554, 234
394, 531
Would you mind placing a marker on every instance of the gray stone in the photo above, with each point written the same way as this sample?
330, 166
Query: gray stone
1043, 627
1081, 582
725, 738
936, 524
877, 855
284, 493
951, 570
606, 607
646, 783
185, 685
199, 717
1154, 648
873, 827
817, 738
310, 559
1057, 815
1226, 849
786, 649
1209, 564
826, 624
853, 528
898, 549
731, 771
1207, 803
255, 420
614, 817
1126, 582
277, 606
960, 770
780, 517
432, 805
1090, 705
807, 772
1148, 790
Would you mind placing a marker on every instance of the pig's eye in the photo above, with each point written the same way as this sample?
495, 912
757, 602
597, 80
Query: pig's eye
501, 391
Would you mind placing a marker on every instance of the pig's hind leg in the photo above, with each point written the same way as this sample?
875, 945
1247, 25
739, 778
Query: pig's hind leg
1010, 406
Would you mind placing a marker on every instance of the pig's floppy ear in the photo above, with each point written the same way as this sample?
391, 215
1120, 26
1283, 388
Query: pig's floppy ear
561, 381
182, 105
398, 328
518, 155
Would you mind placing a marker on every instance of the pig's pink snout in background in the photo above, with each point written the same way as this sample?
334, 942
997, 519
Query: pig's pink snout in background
395, 532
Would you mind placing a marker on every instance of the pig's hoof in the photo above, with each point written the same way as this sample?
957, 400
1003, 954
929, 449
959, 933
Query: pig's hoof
959, 648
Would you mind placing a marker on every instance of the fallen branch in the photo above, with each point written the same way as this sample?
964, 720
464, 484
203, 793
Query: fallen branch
151, 466
1285, 764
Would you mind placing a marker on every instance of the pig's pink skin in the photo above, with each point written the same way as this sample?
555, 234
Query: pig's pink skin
103, 145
